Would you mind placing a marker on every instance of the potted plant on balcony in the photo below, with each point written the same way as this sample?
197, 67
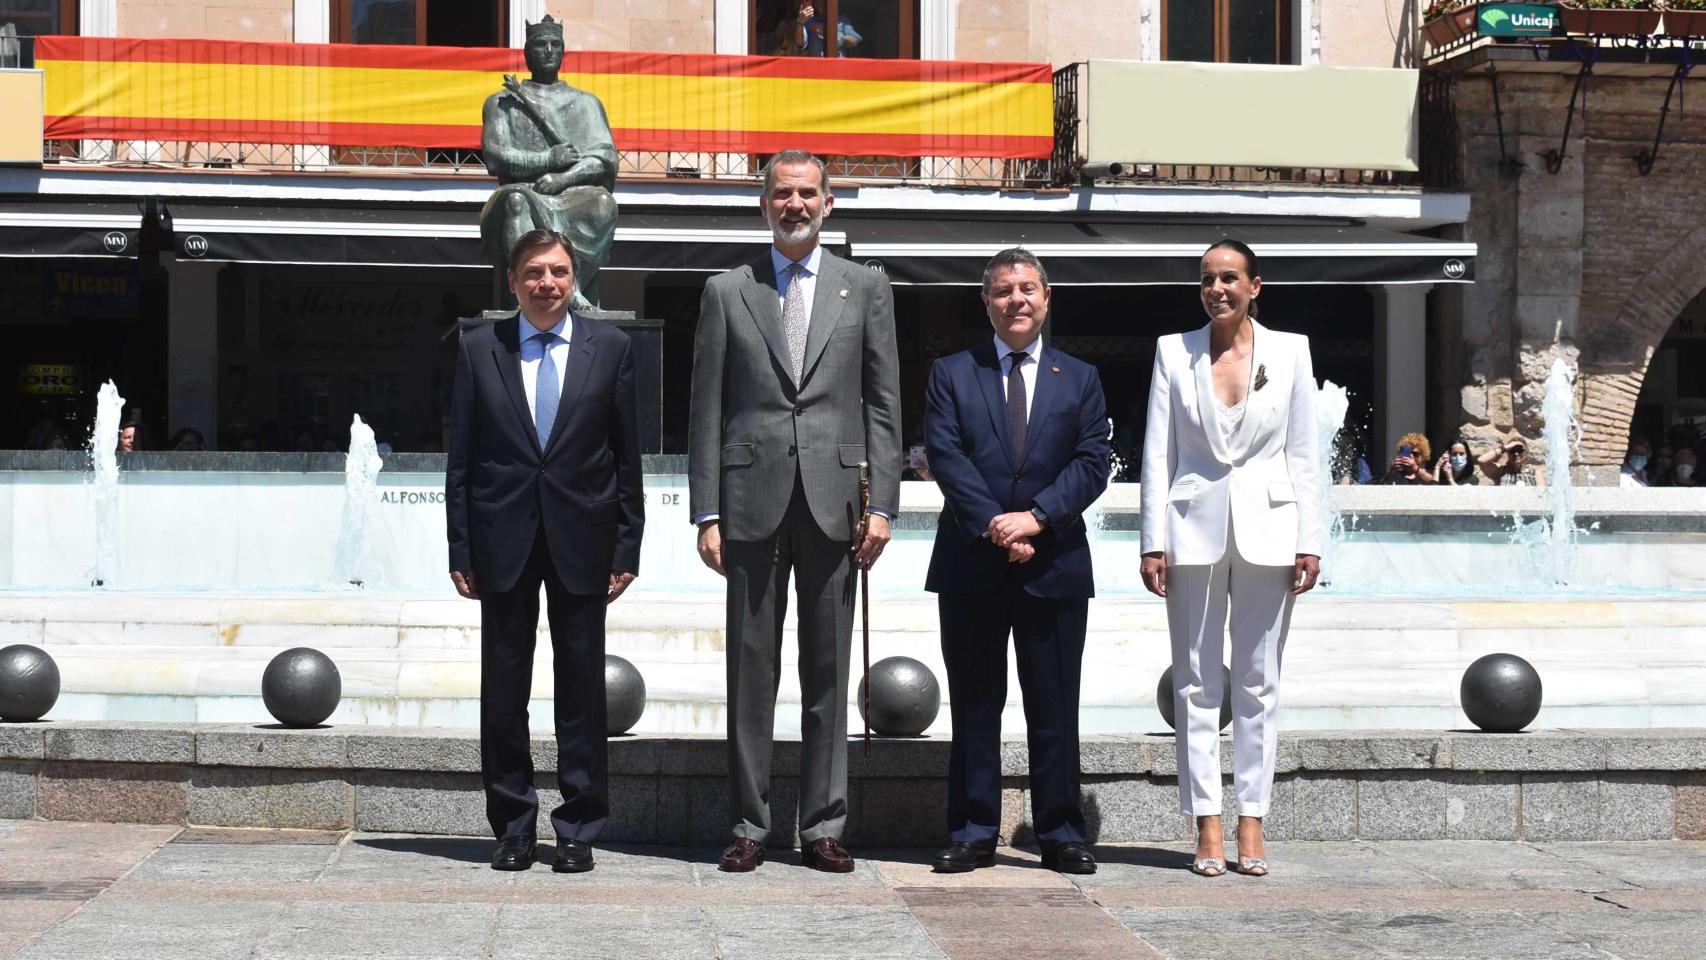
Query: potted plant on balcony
1685, 18
1448, 21
1630, 18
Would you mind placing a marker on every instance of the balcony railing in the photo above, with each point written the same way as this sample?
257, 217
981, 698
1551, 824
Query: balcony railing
290, 107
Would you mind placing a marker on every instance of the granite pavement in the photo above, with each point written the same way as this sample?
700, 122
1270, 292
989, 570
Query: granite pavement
93, 891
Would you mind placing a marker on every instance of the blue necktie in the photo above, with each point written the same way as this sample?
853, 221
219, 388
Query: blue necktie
546, 392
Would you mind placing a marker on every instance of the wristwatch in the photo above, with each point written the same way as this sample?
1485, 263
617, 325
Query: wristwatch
1041, 517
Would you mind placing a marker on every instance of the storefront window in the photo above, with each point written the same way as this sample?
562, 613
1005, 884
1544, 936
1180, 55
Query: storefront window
1226, 31
441, 23
873, 29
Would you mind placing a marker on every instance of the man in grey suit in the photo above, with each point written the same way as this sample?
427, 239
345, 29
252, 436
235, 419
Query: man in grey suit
795, 383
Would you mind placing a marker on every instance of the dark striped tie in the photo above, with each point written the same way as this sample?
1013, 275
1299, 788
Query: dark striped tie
1016, 419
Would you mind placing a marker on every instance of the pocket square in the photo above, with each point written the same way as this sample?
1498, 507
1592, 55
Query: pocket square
1261, 375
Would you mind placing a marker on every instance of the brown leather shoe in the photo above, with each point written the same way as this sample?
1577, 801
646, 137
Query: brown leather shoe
826, 854
741, 856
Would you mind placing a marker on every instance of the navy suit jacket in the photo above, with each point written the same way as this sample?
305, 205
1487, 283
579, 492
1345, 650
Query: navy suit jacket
584, 484
1063, 470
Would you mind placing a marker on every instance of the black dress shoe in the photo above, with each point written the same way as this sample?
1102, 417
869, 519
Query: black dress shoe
515, 853
962, 857
573, 856
1070, 857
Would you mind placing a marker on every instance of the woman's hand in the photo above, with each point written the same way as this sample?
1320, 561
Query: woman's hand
1155, 574
1304, 573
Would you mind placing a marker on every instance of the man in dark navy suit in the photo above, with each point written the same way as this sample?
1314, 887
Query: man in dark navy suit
542, 487
1017, 435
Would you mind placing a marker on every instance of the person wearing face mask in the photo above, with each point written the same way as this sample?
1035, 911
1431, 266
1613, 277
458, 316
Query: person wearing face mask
1634, 472
1682, 469
1455, 467
1231, 523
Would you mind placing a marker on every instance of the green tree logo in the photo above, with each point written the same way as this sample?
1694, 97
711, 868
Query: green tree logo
1492, 18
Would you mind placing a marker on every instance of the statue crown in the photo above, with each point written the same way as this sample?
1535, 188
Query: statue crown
545, 27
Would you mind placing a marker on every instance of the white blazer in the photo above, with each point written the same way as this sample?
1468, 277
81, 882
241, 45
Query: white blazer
1266, 478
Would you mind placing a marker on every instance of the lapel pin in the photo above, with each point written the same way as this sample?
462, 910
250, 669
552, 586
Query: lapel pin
1261, 375
1053, 369
843, 294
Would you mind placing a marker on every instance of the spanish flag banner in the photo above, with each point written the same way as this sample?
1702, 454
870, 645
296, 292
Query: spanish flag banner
389, 96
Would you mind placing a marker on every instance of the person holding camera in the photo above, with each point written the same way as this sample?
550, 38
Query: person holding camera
1455, 467
1409, 467
1504, 464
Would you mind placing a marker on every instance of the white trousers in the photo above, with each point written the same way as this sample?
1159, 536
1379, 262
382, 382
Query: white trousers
1197, 601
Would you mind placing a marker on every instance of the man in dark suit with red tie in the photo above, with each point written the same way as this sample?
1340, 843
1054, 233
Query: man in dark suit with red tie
542, 487
1017, 435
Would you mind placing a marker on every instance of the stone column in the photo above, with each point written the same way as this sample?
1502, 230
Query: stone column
1401, 371
192, 338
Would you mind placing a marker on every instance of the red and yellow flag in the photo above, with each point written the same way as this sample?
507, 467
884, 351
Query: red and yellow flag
390, 96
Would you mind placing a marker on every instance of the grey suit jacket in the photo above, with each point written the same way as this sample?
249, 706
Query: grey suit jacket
751, 430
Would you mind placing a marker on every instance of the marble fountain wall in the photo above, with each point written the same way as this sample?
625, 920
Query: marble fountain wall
219, 569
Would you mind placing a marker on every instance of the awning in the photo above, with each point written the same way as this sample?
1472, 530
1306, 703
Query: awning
69, 229
449, 237
953, 252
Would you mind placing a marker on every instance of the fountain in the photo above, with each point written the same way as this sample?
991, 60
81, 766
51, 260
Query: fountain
103, 455
356, 559
1551, 541
1332, 403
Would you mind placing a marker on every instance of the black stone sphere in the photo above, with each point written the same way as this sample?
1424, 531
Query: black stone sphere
301, 687
1500, 693
29, 683
904, 697
1164, 699
624, 694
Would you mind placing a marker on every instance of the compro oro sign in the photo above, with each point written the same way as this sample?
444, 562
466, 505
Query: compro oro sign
1516, 20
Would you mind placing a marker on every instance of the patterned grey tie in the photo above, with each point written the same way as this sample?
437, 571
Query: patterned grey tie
794, 319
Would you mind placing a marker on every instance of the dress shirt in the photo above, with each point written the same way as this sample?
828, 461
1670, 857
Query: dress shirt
1028, 366
807, 281
531, 354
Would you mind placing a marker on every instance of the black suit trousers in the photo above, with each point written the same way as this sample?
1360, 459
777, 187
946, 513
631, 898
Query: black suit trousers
1048, 642
509, 624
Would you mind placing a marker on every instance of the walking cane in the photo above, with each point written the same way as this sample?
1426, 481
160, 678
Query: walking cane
865, 598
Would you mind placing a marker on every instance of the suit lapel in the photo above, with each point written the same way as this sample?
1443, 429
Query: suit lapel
582, 348
507, 357
1042, 399
1202, 367
763, 301
827, 304
989, 379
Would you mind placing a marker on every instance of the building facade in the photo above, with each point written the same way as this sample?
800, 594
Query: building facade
261, 294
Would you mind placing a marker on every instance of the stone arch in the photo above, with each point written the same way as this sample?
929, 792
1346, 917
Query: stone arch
1619, 351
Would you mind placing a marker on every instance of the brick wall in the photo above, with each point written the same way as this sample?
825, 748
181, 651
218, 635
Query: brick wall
1592, 263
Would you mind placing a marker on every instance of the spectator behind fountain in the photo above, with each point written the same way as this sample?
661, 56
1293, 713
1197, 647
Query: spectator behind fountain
1456, 467
133, 436
1682, 470
1410, 465
187, 438
1506, 464
45, 435
1634, 472
1348, 465
1659, 470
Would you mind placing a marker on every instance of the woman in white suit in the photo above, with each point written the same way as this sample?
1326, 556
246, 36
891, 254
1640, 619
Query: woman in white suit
1231, 518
